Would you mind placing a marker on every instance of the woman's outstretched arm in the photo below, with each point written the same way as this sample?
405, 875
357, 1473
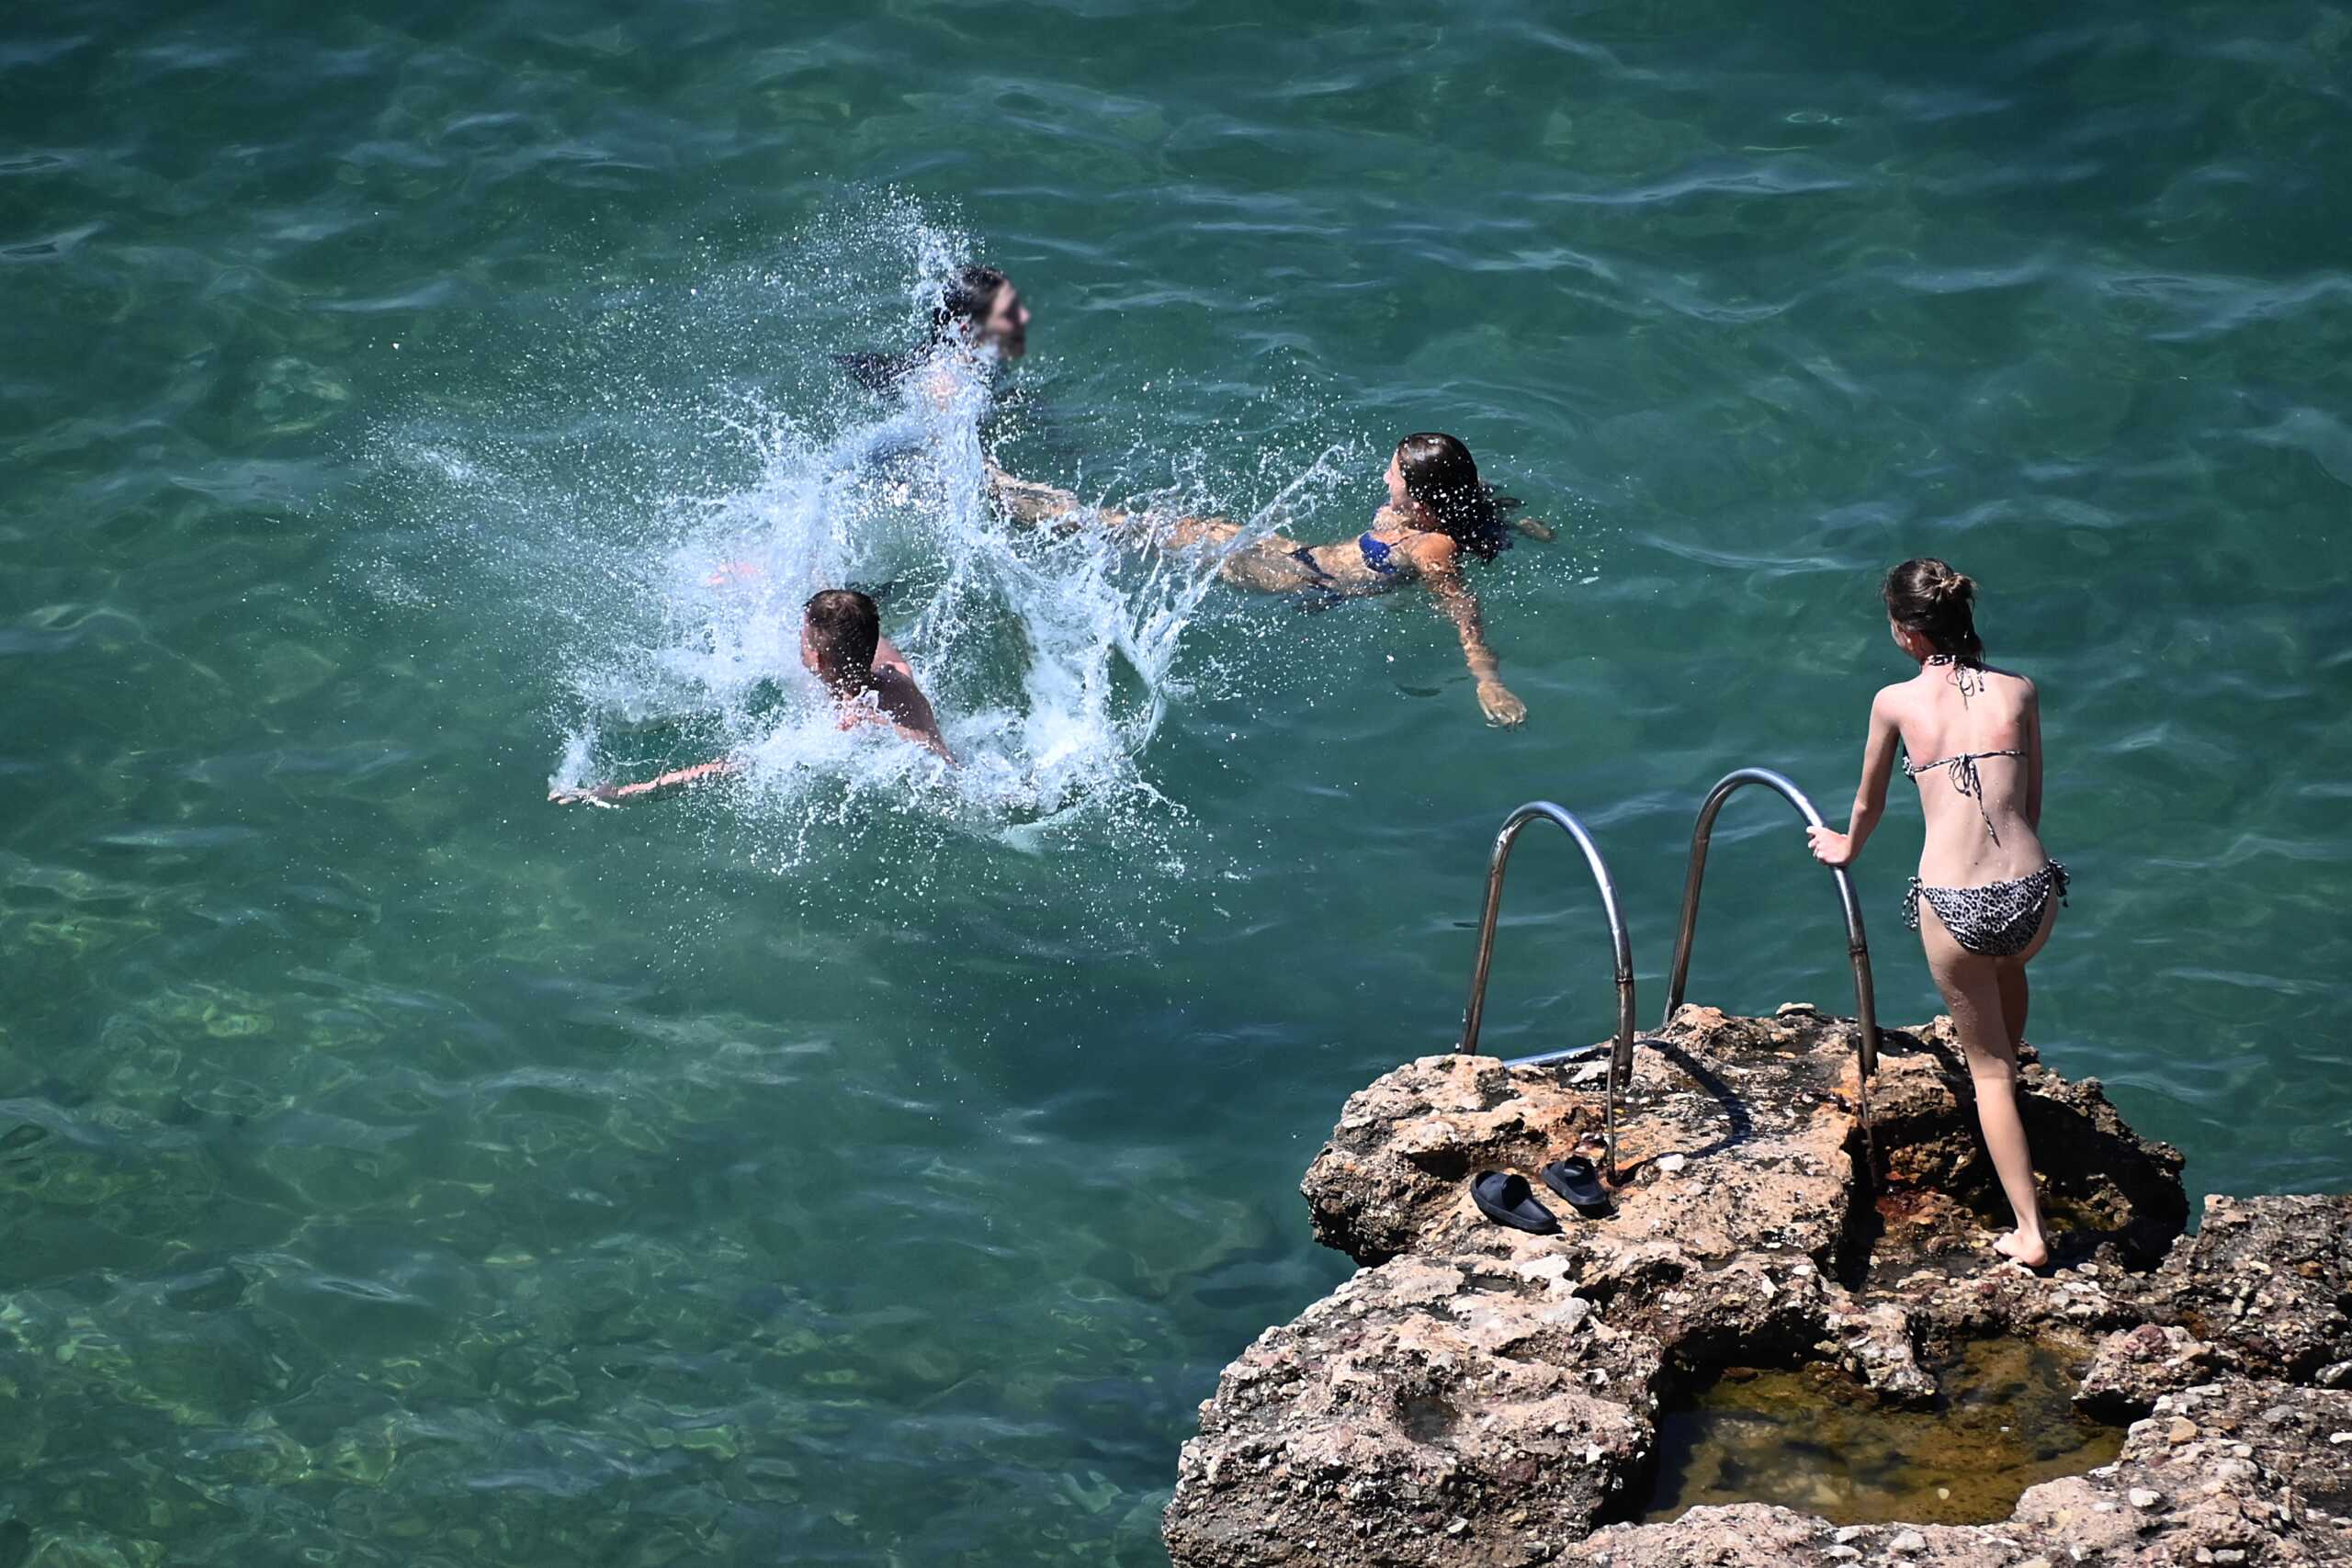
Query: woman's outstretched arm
1442, 569
1835, 849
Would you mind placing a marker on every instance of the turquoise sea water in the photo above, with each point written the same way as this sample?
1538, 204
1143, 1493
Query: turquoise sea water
842, 1166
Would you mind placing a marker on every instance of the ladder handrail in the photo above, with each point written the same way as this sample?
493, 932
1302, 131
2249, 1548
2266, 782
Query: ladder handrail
1856, 945
1620, 1055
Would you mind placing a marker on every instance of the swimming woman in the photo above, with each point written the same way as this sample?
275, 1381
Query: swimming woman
1439, 514
1987, 892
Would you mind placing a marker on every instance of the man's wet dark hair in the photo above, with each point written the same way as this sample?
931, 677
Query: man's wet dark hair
845, 629
966, 296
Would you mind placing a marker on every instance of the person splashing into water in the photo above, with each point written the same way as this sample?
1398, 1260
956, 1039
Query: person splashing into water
978, 320
978, 326
1439, 514
1987, 892
867, 678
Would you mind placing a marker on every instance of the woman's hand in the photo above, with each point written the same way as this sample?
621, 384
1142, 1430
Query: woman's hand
1831, 849
591, 794
1499, 705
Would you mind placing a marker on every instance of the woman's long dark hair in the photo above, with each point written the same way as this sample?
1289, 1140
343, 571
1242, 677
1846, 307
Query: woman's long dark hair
966, 296
1441, 474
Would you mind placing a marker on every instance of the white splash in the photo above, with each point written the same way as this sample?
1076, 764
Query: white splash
1049, 660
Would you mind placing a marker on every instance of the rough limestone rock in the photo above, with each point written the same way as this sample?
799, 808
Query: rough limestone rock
2242, 1468
1433, 1400
2268, 1281
1480, 1396
1737, 1135
2135, 1367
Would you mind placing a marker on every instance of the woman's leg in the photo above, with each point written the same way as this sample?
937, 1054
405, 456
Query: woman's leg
1973, 991
1183, 532
1026, 501
1040, 505
1266, 565
1269, 564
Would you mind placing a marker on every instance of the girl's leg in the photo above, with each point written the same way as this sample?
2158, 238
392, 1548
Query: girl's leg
2017, 994
2017, 998
1973, 991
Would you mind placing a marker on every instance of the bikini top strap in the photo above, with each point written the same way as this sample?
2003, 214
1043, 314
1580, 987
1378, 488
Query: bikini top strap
1961, 767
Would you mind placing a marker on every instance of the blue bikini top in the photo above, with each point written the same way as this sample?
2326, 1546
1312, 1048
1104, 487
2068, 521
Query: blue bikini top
1379, 556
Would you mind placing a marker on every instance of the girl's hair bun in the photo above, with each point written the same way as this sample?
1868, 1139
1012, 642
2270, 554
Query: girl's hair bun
1938, 580
1927, 596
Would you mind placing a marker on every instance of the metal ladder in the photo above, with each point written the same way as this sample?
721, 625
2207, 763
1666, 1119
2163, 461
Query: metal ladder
1857, 947
1620, 1055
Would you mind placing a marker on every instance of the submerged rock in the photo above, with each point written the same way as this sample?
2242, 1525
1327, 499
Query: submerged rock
1476, 1395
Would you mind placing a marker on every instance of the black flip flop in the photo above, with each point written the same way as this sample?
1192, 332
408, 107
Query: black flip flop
1506, 1199
1575, 1179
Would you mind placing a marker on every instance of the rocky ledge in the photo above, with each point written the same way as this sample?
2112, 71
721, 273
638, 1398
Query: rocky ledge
1476, 1395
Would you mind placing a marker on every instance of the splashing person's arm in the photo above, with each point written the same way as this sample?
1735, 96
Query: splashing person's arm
613, 794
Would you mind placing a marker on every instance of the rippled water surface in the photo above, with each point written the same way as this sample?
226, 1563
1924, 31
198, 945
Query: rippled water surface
854, 1164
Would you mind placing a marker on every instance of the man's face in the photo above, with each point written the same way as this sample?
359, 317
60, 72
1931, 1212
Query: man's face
808, 653
1006, 327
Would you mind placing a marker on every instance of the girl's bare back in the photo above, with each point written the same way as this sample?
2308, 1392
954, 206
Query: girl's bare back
1972, 739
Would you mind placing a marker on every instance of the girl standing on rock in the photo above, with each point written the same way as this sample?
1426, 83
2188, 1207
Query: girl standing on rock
1990, 891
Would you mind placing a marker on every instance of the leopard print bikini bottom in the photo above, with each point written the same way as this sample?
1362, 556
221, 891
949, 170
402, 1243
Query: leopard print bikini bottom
1998, 920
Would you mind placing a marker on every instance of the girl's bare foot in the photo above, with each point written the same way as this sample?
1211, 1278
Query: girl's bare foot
2034, 1254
